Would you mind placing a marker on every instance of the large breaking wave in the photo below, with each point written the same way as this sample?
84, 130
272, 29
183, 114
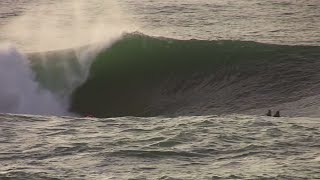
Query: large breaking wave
141, 75
149, 76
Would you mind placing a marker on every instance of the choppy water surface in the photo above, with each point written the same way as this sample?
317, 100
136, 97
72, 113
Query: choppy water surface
271, 21
207, 147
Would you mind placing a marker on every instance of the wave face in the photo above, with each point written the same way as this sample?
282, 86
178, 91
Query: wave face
148, 76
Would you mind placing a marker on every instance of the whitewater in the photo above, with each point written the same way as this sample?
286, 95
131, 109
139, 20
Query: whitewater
159, 90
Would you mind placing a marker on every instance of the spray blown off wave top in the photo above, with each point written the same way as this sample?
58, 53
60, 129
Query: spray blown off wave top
56, 50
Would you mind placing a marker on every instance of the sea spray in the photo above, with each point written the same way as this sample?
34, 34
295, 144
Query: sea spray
68, 24
62, 71
62, 42
19, 93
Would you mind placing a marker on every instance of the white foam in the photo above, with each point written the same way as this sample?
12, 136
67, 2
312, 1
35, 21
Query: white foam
19, 92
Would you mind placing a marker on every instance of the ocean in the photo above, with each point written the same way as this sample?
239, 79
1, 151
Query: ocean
162, 90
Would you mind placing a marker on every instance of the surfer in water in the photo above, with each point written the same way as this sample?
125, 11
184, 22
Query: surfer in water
277, 114
268, 113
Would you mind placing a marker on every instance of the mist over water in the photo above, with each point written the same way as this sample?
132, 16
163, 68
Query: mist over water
81, 27
50, 25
